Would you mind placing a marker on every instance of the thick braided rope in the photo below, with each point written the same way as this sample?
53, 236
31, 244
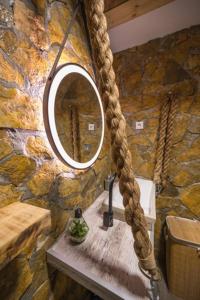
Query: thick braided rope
116, 123
169, 137
161, 141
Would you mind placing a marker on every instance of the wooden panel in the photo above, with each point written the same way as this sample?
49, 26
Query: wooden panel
184, 230
132, 9
183, 269
109, 4
20, 224
105, 262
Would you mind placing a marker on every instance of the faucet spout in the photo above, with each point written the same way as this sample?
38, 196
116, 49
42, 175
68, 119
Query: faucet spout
108, 215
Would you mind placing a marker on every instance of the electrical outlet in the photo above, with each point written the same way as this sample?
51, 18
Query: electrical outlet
91, 127
139, 125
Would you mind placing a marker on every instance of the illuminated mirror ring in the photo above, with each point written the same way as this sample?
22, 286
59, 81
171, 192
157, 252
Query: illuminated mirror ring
49, 108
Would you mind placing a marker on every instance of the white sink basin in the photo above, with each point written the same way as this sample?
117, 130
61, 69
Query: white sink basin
147, 200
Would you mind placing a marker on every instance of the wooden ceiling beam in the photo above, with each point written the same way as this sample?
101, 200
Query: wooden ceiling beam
130, 9
110, 4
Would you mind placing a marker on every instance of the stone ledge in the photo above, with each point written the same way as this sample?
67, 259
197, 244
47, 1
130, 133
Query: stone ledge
20, 224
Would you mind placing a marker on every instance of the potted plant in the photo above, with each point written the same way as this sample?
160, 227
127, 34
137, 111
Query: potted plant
77, 227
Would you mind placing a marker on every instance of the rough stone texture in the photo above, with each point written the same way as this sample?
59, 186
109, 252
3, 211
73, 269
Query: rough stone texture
36, 146
40, 184
15, 278
67, 187
30, 36
190, 197
19, 110
31, 24
17, 168
145, 75
9, 194
9, 71
5, 144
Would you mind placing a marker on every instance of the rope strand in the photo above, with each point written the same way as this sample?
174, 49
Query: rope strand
165, 136
161, 141
169, 137
116, 123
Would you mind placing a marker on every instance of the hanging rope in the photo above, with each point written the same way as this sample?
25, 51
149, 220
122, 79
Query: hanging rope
169, 137
165, 136
129, 189
161, 143
62, 46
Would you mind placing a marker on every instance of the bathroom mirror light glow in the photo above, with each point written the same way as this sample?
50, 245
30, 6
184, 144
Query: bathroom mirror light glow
73, 116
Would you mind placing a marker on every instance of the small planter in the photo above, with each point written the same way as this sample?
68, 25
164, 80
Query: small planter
77, 228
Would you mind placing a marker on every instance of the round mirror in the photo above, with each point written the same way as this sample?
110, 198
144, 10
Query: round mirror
73, 116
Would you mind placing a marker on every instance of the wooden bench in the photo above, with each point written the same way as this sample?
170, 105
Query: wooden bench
19, 225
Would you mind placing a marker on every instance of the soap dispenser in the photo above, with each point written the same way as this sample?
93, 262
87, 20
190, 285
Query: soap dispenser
77, 228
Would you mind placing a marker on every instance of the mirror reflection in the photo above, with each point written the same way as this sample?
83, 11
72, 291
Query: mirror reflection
78, 117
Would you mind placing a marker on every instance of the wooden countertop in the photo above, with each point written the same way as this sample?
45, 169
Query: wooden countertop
105, 262
19, 225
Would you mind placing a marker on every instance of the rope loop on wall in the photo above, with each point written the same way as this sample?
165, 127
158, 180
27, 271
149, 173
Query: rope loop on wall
165, 138
116, 123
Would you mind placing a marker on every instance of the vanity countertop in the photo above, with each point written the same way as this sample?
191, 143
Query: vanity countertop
105, 262
19, 225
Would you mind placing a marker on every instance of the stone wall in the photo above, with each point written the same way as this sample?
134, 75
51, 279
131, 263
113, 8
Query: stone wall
145, 75
30, 36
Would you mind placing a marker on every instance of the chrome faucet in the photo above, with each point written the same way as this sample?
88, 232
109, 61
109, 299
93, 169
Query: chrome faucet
108, 215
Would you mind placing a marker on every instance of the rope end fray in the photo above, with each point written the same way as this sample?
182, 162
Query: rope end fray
148, 267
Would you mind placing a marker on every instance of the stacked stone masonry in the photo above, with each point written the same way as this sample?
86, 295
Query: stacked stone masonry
30, 36
145, 76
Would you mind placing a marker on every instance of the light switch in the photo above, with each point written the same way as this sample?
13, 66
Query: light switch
139, 125
91, 127
87, 147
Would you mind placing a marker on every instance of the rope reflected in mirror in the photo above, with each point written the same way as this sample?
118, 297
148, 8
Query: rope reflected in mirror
75, 138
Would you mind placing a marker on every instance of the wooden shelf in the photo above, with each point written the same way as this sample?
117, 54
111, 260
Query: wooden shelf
105, 262
20, 224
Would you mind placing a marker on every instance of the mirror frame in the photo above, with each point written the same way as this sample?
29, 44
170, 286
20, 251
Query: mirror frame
49, 100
